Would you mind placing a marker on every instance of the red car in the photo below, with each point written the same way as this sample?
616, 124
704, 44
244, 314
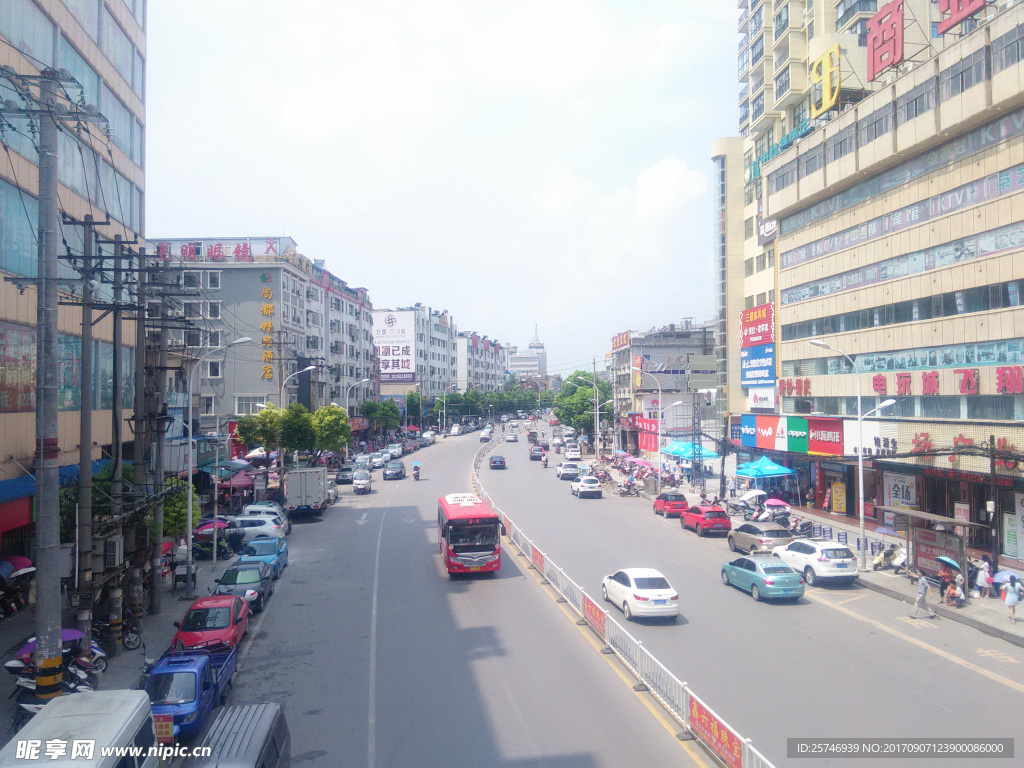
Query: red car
553, 423
706, 519
671, 504
214, 619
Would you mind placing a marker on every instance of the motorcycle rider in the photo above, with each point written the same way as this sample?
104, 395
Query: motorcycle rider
416, 472
544, 459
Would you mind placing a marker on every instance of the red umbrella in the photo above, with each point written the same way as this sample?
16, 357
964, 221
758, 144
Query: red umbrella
241, 480
19, 562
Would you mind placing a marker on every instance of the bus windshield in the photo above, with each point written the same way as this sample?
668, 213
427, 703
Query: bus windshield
467, 538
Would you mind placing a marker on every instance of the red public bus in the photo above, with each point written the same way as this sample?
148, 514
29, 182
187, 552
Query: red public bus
468, 534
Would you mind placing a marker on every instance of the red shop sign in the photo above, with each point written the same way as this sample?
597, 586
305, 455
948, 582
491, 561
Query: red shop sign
757, 326
721, 739
825, 436
767, 429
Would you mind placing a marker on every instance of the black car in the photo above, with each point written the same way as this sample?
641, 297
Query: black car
253, 581
394, 470
345, 475
498, 462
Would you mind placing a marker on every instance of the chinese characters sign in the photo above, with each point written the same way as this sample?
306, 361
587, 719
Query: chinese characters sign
796, 434
825, 73
267, 328
885, 38
719, 738
620, 341
394, 336
647, 434
959, 11
757, 366
757, 326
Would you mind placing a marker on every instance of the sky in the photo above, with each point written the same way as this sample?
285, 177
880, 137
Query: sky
537, 162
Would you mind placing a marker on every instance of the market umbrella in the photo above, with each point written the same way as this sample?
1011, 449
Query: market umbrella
241, 480
948, 561
238, 464
258, 453
776, 503
18, 561
685, 450
1002, 576
66, 636
751, 495
763, 467
413, 428
643, 463
208, 525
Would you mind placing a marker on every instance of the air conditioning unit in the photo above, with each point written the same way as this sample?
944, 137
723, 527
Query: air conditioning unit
113, 552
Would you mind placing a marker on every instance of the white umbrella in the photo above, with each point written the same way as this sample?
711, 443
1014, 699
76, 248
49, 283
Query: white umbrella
751, 495
257, 453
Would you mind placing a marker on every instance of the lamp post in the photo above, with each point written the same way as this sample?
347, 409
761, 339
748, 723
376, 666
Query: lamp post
444, 406
597, 408
349, 391
642, 372
192, 460
862, 553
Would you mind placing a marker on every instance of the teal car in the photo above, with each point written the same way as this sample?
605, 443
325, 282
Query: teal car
272, 550
763, 576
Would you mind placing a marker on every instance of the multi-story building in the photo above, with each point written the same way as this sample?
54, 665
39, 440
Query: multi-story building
480, 362
297, 313
416, 351
103, 47
531, 364
901, 278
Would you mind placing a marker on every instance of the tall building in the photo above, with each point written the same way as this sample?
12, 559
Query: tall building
531, 364
480, 362
416, 351
297, 313
901, 278
101, 173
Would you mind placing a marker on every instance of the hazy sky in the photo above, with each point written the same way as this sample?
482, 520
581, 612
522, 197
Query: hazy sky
515, 162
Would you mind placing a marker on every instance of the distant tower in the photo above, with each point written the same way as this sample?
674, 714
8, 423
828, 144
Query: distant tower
536, 348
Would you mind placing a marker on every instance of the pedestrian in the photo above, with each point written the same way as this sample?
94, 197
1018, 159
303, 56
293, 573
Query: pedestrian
945, 579
1011, 594
983, 581
924, 591
732, 487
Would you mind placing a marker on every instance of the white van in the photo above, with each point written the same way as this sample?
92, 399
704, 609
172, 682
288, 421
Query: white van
456, 430
103, 718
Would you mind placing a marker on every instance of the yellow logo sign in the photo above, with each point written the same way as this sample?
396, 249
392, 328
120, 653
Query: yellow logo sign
826, 75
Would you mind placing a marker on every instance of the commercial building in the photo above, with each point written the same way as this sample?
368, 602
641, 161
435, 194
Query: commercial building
900, 231
531, 364
103, 47
480, 362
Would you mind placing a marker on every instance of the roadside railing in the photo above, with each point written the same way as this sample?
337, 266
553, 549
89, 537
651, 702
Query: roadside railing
675, 696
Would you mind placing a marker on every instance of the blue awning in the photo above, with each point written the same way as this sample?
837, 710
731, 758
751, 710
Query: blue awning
24, 487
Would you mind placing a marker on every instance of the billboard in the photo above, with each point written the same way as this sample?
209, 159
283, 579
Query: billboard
620, 341
394, 337
757, 366
767, 230
761, 398
757, 326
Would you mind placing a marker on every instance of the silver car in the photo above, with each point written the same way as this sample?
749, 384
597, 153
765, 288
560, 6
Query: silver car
362, 482
753, 537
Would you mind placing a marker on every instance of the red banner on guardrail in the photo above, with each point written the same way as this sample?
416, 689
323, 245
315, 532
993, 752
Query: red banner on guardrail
719, 737
594, 614
538, 559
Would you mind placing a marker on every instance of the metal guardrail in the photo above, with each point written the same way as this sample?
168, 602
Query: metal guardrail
675, 696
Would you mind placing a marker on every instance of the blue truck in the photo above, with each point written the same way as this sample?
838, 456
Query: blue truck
189, 684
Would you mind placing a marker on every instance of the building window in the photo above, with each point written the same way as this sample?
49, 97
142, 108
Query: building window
748, 228
748, 194
213, 369
1007, 49
878, 123
799, 113
771, 257
246, 404
812, 160
192, 279
782, 82
762, 262
748, 267
757, 106
193, 309
213, 280
213, 339
915, 102
213, 310
762, 298
782, 178
782, 20
964, 74
193, 338
206, 405
842, 144
771, 296
748, 302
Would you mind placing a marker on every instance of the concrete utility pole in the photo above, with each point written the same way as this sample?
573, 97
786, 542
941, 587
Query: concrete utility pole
49, 662
597, 413
84, 542
160, 437
143, 425
117, 439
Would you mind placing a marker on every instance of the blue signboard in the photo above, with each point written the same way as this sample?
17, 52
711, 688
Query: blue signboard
748, 430
757, 366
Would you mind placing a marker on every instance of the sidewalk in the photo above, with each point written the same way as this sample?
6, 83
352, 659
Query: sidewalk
989, 616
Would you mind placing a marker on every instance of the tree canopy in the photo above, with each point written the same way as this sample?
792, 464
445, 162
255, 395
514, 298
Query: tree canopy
574, 404
330, 428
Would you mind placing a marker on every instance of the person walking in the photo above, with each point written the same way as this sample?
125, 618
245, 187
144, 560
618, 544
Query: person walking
984, 578
924, 591
1011, 594
732, 487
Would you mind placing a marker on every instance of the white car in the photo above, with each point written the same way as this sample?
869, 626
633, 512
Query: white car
641, 592
586, 486
395, 449
379, 459
267, 525
511, 437
821, 559
573, 454
263, 508
514, 425
565, 470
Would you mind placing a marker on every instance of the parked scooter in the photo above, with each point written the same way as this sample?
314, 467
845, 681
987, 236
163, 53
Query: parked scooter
147, 668
885, 558
628, 489
801, 529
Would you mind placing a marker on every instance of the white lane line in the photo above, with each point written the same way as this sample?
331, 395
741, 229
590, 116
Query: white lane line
371, 730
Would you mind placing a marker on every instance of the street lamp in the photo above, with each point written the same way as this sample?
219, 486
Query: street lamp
597, 408
192, 459
444, 405
349, 391
862, 554
657, 459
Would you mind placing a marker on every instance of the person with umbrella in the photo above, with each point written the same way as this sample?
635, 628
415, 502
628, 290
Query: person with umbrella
945, 579
1011, 594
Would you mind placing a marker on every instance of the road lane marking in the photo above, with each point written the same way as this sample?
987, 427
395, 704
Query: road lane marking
851, 599
371, 730
1019, 687
361, 520
919, 624
1005, 658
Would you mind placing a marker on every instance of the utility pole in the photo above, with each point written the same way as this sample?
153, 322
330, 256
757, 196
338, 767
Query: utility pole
117, 439
597, 415
996, 522
84, 542
160, 437
49, 661
280, 405
143, 425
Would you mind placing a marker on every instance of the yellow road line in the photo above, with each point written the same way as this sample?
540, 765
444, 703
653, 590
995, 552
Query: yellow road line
851, 599
668, 724
923, 645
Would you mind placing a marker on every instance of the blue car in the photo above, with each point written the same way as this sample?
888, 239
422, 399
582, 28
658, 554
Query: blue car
763, 576
272, 550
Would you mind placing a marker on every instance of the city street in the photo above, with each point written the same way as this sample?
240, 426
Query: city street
380, 659
842, 662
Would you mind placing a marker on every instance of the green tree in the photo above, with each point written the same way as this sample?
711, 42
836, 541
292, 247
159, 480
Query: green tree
574, 404
547, 398
369, 410
389, 417
330, 428
175, 510
297, 429
474, 402
414, 407
260, 429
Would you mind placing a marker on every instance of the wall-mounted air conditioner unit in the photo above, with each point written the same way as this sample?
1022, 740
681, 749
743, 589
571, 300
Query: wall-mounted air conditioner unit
113, 552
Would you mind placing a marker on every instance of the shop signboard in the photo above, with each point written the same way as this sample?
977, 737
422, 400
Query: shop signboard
962, 513
839, 497
768, 431
921, 438
718, 736
757, 366
620, 341
825, 436
757, 326
399, 401
899, 490
929, 545
797, 434
1010, 533
761, 398
767, 230
358, 423
748, 430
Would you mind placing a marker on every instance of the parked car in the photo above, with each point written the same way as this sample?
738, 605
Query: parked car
751, 537
379, 458
536, 453
497, 462
345, 475
362, 482
567, 471
255, 524
671, 504
250, 581
641, 592
396, 450
586, 486
819, 559
213, 619
395, 470
272, 550
763, 576
705, 519
263, 508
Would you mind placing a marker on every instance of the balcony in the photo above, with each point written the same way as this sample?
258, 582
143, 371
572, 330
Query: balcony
854, 11
744, 90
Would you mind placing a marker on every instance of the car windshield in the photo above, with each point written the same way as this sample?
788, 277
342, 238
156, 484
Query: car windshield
837, 554
173, 688
236, 576
714, 513
199, 619
774, 534
261, 548
482, 536
590, 481
569, 466
776, 568
652, 582
674, 497
394, 465
361, 475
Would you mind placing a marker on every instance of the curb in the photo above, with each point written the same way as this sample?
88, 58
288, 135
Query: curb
946, 613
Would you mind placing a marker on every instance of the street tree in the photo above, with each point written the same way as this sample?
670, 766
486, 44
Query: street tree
260, 429
389, 418
297, 432
414, 407
331, 429
574, 404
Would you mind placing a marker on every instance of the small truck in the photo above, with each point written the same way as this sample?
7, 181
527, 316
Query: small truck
189, 684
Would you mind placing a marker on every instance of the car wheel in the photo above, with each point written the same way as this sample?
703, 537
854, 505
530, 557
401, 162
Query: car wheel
699, 530
258, 606
604, 592
755, 593
810, 576
626, 612
725, 577
732, 544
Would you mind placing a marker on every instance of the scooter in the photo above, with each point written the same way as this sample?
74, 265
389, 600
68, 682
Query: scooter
801, 529
415, 473
887, 557
628, 489
544, 461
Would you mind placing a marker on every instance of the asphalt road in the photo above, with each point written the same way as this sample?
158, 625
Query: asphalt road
842, 662
381, 660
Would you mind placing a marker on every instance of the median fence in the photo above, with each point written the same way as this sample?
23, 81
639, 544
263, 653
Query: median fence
685, 707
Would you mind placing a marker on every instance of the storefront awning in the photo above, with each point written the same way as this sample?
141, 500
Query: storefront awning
931, 517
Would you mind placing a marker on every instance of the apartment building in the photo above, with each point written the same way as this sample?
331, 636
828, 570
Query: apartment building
480, 362
416, 351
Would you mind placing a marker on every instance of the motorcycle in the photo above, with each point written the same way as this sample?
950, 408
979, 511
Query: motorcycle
801, 529
887, 557
628, 489
544, 461
131, 635
415, 472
